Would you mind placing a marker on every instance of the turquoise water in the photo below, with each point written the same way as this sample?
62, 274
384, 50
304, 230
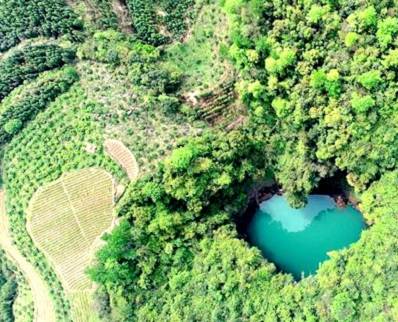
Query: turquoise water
297, 240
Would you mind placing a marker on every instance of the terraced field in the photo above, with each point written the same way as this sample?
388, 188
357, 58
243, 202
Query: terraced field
65, 220
121, 154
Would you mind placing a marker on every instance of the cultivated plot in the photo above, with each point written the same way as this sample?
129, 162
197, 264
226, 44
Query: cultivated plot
122, 155
66, 217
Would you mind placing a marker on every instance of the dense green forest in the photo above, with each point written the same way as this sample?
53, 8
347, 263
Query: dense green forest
215, 99
10, 277
319, 81
8, 289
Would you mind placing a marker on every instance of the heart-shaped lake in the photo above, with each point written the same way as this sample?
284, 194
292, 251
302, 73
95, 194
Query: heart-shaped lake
298, 240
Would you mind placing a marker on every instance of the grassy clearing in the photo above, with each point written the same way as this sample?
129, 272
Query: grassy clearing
65, 218
24, 304
83, 309
199, 56
122, 155
147, 132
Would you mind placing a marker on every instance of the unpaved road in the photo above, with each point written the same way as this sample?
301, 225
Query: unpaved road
44, 307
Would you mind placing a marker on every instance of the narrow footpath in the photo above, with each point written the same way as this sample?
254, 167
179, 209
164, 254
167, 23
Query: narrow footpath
44, 307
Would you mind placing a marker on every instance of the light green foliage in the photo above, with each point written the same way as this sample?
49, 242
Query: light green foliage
351, 39
13, 126
115, 48
341, 70
370, 79
281, 106
137, 95
367, 17
362, 104
232, 6
170, 210
199, 58
328, 82
386, 29
317, 12
391, 59
280, 60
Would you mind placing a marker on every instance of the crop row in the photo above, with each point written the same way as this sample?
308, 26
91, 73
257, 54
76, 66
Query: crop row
23, 19
16, 115
28, 63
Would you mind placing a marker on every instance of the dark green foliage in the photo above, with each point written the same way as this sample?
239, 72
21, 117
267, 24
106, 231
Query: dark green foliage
28, 63
23, 19
323, 76
148, 21
144, 21
166, 214
13, 119
8, 288
106, 18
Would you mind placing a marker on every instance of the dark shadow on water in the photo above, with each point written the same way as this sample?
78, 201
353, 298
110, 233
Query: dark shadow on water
335, 187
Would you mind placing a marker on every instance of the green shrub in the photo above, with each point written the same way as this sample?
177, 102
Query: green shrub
370, 79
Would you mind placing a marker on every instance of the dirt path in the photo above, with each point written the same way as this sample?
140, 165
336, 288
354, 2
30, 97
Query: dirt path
44, 308
120, 9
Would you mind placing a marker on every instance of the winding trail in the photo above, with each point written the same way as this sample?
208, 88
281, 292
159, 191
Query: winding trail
44, 308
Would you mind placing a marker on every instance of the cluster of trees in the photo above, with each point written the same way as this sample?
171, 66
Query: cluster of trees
142, 62
11, 279
194, 192
320, 82
8, 289
115, 48
148, 22
106, 17
23, 19
325, 75
14, 116
176, 256
28, 63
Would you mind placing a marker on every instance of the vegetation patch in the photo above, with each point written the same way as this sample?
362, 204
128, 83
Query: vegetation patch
84, 306
290, 58
199, 57
33, 299
137, 101
8, 288
21, 19
161, 21
28, 63
23, 107
66, 218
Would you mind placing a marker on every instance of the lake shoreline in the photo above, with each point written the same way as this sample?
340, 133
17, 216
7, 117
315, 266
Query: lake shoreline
332, 187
